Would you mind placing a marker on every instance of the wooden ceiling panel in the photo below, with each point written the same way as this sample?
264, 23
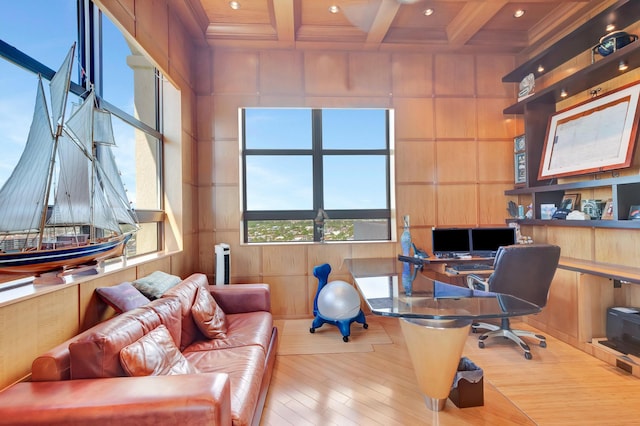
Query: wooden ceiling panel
456, 25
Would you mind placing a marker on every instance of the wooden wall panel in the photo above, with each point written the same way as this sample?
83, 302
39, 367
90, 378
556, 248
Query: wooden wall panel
370, 74
492, 124
412, 75
227, 207
152, 30
487, 67
290, 294
495, 161
235, 72
492, 206
454, 75
326, 73
284, 260
415, 162
417, 201
456, 205
225, 110
562, 307
574, 242
456, 161
281, 72
617, 246
414, 118
455, 118
595, 295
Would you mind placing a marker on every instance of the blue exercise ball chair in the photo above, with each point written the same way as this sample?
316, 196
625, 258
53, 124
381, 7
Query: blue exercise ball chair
349, 313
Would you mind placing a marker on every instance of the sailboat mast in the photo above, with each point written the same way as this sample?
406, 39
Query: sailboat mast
45, 202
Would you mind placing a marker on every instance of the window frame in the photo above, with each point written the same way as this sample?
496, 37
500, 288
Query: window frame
318, 153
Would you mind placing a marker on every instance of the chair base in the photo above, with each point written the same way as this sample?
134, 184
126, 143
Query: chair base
514, 335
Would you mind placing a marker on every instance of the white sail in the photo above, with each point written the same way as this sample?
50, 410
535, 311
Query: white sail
102, 128
22, 196
59, 88
113, 187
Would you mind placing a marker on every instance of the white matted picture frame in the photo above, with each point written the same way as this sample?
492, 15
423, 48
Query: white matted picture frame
596, 135
607, 211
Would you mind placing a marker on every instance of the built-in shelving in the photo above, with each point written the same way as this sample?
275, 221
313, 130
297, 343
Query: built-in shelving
539, 107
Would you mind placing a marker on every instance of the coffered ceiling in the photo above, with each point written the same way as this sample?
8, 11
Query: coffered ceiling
453, 25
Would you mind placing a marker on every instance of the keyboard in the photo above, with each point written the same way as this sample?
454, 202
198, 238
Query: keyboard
471, 267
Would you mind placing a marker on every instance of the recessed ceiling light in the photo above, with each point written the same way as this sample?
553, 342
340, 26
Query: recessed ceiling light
334, 9
563, 93
428, 12
540, 68
610, 27
519, 13
234, 5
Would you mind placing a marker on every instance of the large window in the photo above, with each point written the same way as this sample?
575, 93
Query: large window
126, 83
316, 174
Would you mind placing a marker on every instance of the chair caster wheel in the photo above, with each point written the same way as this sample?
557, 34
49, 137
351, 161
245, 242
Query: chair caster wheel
312, 330
365, 326
527, 355
345, 339
481, 345
543, 344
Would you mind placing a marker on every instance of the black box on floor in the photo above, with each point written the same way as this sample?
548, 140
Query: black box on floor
468, 385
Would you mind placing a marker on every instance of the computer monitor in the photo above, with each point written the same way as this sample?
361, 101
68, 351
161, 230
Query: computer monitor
450, 241
486, 241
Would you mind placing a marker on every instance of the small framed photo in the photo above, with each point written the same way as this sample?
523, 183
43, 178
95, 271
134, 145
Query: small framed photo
634, 212
570, 201
520, 168
607, 211
518, 144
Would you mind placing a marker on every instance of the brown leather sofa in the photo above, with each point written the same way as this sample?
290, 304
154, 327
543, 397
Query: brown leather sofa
82, 382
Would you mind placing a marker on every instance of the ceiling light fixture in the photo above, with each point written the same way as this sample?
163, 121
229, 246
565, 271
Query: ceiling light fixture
334, 9
519, 13
610, 28
540, 68
428, 12
234, 5
563, 93
623, 66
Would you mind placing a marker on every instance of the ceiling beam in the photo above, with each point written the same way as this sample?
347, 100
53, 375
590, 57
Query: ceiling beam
382, 21
284, 20
473, 16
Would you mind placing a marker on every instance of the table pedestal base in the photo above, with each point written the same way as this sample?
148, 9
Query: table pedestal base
435, 347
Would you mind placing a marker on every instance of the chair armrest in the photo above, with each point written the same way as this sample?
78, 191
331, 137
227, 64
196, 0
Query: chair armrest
203, 398
476, 282
241, 298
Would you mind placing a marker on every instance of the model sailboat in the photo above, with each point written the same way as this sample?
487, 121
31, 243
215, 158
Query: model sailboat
90, 219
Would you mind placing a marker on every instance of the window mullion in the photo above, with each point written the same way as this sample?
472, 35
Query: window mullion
318, 193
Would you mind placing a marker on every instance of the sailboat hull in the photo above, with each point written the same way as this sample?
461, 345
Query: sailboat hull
40, 261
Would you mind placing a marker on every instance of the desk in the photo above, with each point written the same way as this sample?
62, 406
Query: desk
435, 318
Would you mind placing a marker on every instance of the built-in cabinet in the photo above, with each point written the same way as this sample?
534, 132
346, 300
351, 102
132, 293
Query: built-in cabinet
584, 286
537, 109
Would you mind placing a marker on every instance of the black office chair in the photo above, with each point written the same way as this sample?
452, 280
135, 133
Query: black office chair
524, 271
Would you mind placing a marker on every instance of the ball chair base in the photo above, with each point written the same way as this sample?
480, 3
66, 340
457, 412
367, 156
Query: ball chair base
344, 325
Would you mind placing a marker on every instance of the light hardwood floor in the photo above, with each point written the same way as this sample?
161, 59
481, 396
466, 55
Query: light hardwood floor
561, 385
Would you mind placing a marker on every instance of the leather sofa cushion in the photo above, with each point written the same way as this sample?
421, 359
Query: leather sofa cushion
155, 354
245, 367
209, 317
122, 297
97, 353
186, 293
251, 328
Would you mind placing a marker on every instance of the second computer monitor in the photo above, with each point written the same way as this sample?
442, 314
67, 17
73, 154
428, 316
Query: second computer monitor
486, 241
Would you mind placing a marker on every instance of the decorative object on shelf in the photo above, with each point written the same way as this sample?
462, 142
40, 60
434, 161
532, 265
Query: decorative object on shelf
529, 213
520, 160
607, 211
521, 212
547, 211
611, 42
512, 208
578, 215
634, 212
527, 86
405, 242
570, 201
578, 142
592, 207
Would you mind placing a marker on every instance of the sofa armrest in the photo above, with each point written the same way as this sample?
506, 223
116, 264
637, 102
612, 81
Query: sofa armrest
203, 398
240, 298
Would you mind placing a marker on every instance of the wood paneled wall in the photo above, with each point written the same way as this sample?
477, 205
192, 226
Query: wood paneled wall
453, 148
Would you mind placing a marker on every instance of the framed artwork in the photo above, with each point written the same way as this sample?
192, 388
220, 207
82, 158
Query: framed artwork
634, 212
570, 201
520, 168
593, 136
607, 211
518, 144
